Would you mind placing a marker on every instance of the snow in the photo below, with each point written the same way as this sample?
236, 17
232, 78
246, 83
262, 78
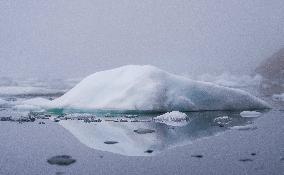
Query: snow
149, 88
250, 114
278, 97
174, 118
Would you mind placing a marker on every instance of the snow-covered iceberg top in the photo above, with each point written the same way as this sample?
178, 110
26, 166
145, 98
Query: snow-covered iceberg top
148, 88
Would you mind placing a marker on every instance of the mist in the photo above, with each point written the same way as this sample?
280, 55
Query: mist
70, 39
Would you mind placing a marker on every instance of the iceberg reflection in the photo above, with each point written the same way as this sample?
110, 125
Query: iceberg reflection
144, 137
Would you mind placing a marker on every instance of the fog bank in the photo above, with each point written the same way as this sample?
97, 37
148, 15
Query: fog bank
70, 39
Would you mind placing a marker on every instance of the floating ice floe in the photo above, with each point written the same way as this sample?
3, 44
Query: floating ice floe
278, 97
224, 120
151, 89
3, 102
7, 102
174, 118
244, 128
250, 114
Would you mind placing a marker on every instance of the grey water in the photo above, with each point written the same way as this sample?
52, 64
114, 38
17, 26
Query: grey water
90, 128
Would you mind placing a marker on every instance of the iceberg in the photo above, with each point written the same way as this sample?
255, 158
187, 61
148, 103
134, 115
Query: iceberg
147, 88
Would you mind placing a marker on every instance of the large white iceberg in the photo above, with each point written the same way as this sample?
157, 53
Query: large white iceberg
136, 87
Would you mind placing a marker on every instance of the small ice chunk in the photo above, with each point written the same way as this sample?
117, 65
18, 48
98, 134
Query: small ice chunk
222, 120
244, 128
174, 118
250, 114
278, 97
2, 102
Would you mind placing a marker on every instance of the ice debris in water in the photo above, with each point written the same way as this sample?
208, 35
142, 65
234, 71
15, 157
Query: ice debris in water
13, 116
2, 102
278, 97
224, 120
149, 88
174, 118
244, 128
250, 114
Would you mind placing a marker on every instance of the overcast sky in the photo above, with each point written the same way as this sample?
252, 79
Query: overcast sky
71, 38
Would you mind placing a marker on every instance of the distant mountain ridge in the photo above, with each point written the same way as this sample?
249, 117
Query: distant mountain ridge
272, 72
273, 67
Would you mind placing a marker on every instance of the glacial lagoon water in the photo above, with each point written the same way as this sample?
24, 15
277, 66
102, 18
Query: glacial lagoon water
133, 133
